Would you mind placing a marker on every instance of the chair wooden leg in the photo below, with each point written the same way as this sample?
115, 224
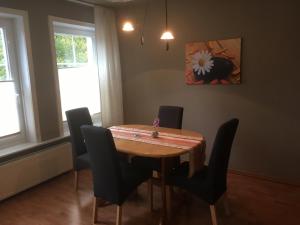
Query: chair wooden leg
150, 190
75, 180
119, 215
226, 205
213, 214
95, 206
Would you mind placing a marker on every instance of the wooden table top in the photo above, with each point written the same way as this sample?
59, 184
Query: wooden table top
152, 150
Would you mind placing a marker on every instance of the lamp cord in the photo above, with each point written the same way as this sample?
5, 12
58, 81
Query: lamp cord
167, 42
166, 6
144, 22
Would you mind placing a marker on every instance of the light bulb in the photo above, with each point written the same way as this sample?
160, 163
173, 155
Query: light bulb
167, 35
127, 27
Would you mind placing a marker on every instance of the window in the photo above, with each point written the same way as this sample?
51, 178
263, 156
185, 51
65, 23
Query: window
11, 114
17, 115
77, 69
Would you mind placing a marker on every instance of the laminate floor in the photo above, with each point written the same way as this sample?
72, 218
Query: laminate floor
252, 202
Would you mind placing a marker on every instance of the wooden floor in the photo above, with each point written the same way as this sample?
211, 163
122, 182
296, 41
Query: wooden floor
252, 202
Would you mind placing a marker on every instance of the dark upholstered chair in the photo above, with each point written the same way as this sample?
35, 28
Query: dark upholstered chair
169, 117
76, 118
210, 183
113, 179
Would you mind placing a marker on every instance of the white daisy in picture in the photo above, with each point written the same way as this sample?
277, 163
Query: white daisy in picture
202, 62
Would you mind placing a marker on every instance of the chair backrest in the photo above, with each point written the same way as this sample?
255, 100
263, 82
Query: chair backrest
218, 163
104, 162
76, 118
170, 116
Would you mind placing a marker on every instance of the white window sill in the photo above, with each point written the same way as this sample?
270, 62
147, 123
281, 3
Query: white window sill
10, 153
16, 148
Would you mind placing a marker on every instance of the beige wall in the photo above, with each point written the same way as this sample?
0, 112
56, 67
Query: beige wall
38, 21
267, 101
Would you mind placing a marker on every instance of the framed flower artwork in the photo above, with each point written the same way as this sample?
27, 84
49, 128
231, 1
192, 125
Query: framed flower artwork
213, 62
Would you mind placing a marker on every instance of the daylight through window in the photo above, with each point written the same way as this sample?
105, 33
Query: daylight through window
9, 98
77, 71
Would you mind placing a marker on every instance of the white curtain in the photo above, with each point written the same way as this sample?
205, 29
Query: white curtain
109, 67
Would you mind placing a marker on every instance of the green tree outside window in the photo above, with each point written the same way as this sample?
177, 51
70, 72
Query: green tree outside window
2, 58
71, 51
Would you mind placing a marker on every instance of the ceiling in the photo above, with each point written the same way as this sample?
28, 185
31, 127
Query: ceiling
112, 2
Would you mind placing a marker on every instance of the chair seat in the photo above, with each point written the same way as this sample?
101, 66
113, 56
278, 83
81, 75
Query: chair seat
198, 184
123, 157
146, 163
154, 164
82, 162
179, 176
132, 176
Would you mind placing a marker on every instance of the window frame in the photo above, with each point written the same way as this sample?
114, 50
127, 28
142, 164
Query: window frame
16, 25
72, 27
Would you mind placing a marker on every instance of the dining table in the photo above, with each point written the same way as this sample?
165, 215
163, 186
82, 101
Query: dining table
161, 143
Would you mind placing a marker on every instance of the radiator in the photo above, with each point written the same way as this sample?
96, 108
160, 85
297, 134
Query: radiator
26, 172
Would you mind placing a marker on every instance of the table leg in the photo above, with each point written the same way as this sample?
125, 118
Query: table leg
169, 194
163, 192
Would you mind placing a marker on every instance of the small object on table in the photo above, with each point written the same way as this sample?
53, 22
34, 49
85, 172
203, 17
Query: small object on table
137, 135
154, 134
155, 124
